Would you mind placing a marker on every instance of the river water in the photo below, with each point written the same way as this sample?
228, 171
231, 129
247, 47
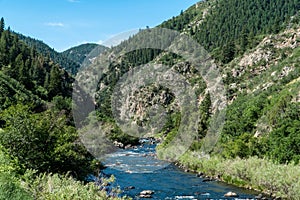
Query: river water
137, 170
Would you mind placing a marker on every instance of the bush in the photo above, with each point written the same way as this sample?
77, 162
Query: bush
43, 142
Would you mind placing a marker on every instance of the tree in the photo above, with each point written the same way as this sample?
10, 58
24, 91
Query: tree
205, 113
43, 142
4, 48
2, 26
228, 52
55, 82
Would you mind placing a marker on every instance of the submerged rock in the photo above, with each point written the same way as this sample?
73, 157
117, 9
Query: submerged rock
129, 188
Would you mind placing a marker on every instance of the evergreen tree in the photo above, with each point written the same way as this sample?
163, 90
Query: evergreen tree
228, 52
2, 25
55, 82
205, 112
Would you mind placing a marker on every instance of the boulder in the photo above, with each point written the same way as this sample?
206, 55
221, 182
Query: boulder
118, 144
146, 194
231, 194
200, 174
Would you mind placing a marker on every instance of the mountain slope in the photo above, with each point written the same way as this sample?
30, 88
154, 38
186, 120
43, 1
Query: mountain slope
232, 50
12, 92
228, 28
79, 53
66, 63
256, 48
36, 73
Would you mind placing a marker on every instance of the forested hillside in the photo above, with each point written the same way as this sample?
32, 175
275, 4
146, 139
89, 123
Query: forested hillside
35, 72
66, 63
251, 41
80, 53
228, 28
40, 150
256, 47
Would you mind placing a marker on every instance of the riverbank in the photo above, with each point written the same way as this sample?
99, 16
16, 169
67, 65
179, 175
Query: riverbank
252, 173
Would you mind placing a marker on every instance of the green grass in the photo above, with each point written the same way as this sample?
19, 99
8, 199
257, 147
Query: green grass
54, 187
263, 175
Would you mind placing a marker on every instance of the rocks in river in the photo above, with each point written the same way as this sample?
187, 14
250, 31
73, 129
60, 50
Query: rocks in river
260, 196
231, 194
218, 177
200, 174
152, 154
129, 188
207, 180
149, 140
118, 144
146, 194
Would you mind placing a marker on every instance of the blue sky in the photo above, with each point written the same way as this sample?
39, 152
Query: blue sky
66, 23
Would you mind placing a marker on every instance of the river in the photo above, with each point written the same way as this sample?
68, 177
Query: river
138, 169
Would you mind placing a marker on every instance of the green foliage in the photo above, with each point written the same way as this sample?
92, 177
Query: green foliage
118, 135
43, 142
170, 129
181, 21
60, 103
10, 185
241, 123
12, 92
10, 188
55, 83
243, 113
284, 138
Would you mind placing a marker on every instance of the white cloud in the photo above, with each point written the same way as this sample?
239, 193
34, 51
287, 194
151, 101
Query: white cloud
55, 24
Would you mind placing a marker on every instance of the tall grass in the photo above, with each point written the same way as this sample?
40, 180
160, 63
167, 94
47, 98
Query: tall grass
264, 175
54, 187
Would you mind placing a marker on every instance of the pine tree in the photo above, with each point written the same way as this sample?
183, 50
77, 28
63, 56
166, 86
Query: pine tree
4, 44
21, 73
2, 25
46, 83
228, 52
205, 113
55, 82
